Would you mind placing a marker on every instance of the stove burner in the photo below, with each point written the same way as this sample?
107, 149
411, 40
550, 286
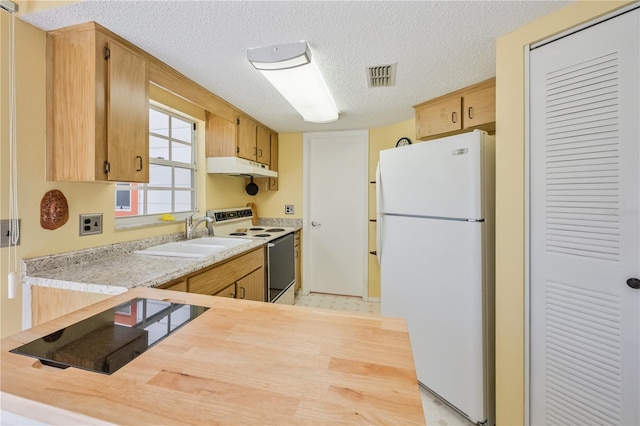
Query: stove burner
238, 233
256, 229
275, 230
263, 235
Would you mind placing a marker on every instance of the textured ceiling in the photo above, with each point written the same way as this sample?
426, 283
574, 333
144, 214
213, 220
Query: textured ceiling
439, 46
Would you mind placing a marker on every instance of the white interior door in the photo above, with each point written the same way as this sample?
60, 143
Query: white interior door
335, 226
585, 226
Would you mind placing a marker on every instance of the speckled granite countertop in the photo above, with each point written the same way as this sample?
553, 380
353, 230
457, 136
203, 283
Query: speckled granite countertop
115, 268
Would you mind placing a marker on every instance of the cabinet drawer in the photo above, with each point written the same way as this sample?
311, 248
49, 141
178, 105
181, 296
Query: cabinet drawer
216, 279
178, 285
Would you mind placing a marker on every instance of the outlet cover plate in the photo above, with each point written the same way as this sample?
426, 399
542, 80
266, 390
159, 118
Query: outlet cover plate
5, 233
90, 224
289, 209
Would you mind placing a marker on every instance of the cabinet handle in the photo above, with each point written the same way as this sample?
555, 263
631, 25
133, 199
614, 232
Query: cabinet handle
470, 112
244, 292
255, 150
260, 153
454, 117
139, 169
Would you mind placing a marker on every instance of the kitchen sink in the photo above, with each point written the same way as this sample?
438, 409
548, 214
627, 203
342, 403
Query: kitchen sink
216, 241
199, 247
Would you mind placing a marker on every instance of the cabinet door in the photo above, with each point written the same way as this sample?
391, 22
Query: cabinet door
263, 145
270, 184
251, 287
214, 279
220, 137
298, 264
229, 291
585, 227
247, 138
440, 117
479, 107
127, 115
273, 182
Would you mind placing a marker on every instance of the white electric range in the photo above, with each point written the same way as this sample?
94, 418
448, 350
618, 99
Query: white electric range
280, 282
237, 222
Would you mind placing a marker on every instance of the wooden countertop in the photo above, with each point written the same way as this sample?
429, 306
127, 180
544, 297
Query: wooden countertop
240, 362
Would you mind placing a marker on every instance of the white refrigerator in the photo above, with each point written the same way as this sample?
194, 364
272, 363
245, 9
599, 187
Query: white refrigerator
435, 235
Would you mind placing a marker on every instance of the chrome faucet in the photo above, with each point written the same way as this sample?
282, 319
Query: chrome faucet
190, 225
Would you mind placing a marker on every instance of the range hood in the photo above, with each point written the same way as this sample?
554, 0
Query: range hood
235, 166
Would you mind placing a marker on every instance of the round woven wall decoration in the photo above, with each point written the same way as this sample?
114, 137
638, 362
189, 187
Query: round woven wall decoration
54, 210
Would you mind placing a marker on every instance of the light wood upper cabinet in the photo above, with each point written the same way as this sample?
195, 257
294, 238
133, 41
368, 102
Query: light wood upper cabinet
273, 182
221, 136
473, 107
263, 145
253, 141
97, 108
479, 107
270, 184
246, 139
439, 117
247, 129
243, 138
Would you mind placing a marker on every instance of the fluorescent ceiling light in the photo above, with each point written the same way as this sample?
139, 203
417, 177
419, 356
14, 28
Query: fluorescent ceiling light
289, 69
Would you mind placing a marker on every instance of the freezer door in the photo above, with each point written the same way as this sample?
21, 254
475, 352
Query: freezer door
431, 275
442, 178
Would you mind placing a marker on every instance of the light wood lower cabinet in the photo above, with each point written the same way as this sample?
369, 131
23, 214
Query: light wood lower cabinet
252, 286
176, 285
48, 303
242, 277
229, 291
220, 277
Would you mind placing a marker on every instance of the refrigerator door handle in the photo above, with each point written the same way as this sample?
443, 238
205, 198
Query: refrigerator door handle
378, 214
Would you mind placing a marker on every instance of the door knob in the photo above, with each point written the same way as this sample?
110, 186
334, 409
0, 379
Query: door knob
314, 223
634, 283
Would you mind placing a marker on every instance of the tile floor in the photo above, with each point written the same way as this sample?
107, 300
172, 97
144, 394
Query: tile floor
436, 412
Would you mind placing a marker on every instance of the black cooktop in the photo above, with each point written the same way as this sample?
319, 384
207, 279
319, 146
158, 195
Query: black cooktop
109, 340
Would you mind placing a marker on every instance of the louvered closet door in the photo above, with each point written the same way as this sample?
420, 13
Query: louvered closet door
585, 233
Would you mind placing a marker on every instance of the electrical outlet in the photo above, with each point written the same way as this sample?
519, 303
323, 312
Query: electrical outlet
288, 209
90, 224
5, 233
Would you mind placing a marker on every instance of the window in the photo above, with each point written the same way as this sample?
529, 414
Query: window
172, 172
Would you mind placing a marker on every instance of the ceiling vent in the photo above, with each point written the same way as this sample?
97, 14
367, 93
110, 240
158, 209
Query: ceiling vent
381, 75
